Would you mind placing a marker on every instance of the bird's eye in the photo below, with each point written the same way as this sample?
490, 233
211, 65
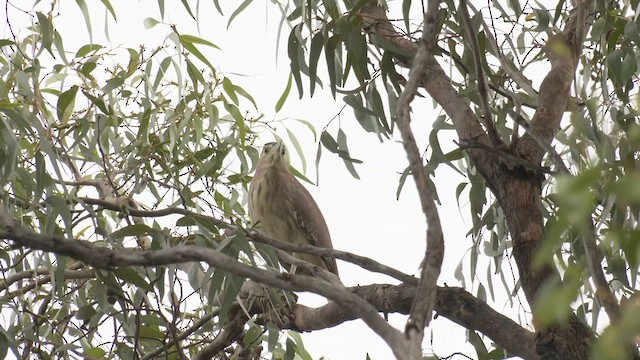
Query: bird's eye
265, 151
283, 151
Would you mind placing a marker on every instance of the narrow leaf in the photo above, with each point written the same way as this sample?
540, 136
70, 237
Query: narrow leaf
66, 101
285, 95
316, 48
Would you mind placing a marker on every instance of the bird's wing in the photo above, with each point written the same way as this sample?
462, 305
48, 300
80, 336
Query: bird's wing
308, 217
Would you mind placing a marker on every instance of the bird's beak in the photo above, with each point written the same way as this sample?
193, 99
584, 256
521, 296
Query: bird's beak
277, 148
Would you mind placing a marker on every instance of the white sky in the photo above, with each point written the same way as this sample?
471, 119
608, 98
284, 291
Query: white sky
363, 215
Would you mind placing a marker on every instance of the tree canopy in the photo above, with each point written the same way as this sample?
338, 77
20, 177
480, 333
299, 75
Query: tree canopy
124, 174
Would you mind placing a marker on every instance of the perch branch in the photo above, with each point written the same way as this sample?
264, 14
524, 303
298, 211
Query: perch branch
104, 258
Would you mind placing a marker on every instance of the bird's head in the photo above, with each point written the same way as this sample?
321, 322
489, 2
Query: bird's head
275, 154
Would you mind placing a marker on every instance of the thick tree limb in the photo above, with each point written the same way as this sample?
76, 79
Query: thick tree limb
424, 300
123, 206
456, 304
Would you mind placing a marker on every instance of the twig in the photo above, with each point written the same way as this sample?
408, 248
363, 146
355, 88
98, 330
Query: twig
184, 334
362, 261
422, 307
226, 336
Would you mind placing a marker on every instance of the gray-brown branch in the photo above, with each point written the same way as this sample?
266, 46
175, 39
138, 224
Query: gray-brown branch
424, 300
104, 258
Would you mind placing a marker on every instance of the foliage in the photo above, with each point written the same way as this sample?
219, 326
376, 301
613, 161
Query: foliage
159, 127
153, 127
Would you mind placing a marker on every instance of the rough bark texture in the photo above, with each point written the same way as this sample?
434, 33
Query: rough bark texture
456, 304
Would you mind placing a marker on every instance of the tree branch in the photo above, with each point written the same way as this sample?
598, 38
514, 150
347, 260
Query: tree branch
104, 258
424, 301
362, 261
456, 304
226, 336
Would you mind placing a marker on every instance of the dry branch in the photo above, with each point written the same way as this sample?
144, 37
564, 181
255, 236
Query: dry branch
424, 301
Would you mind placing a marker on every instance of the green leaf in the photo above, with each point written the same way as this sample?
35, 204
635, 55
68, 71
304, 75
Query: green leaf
242, 92
95, 353
107, 4
478, 344
133, 230
252, 335
330, 56
228, 88
130, 276
6, 42
553, 300
627, 188
185, 3
86, 49
329, 142
161, 8
332, 8
46, 27
290, 351
239, 10
85, 312
87, 18
151, 332
293, 50
196, 40
632, 33
150, 23
406, 6
113, 83
309, 126
296, 145
65, 103
285, 95
401, 181
348, 161
314, 55
59, 206
98, 102
629, 66
515, 6
186, 41
239, 119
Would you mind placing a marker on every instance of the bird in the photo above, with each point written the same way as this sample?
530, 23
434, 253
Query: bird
283, 209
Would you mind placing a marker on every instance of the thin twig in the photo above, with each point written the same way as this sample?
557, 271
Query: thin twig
184, 334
